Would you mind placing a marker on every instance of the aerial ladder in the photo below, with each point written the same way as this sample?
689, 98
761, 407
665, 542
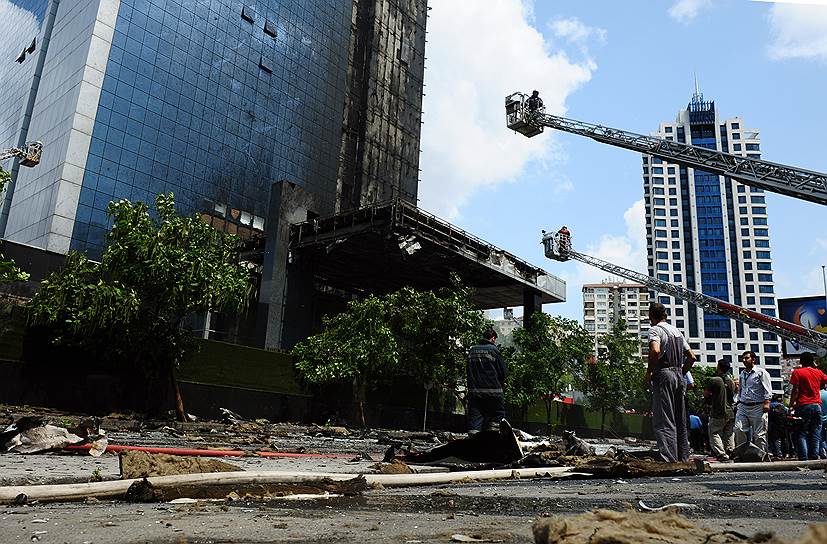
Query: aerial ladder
529, 119
29, 154
557, 246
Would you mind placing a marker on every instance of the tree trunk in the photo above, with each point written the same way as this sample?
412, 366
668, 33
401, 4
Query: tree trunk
602, 423
179, 400
548, 416
359, 393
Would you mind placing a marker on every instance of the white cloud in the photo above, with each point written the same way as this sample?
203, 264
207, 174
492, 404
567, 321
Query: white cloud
798, 31
470, 69
575, 31
685, 11
627, 250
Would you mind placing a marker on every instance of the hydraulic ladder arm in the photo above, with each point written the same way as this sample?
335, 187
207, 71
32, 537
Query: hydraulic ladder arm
770, 176
29, 154
557, 246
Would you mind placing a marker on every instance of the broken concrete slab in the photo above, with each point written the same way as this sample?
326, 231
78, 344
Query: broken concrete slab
138, 464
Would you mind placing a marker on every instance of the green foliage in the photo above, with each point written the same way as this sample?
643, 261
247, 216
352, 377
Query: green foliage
421, 334
548, 352
695, 395
611, 382
9, 272
157, 269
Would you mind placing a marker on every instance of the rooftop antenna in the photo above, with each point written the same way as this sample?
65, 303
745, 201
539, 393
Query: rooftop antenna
697, 97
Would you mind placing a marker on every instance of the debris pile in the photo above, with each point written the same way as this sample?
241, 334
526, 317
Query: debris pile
34, 434
631, 527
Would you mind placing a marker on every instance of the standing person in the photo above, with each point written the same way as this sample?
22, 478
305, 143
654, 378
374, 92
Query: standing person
777, 428
754, 394
534, 101
823, 395
718, 394
806, 402
669, 359
486, 378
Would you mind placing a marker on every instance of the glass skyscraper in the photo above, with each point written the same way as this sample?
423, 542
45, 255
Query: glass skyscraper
256, 114
711, 234
212, 100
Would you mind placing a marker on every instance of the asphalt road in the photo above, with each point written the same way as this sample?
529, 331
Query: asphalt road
783, 503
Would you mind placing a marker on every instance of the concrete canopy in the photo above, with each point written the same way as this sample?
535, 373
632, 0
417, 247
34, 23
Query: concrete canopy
394, 244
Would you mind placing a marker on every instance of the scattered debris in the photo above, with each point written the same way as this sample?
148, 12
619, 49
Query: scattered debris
466, 538
331, 431
145, 490
231, 417
44, 438
395, 466
575, 445
676, 505
750, 453
33, 434
488, 448
138, 464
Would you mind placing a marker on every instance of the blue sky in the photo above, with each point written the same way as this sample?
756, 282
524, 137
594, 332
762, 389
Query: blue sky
628, 65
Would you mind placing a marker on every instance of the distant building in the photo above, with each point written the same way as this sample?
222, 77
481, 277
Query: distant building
604, 304
710, 234
505, 327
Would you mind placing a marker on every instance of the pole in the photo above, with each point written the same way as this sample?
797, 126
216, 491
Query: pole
425, 415
824, 279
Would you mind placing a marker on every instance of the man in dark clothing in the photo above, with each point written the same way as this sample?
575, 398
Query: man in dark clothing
669, 359
534, 101
719, 394
486, 378
777, 439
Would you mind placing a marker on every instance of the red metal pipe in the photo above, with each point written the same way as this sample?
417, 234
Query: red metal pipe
211, 453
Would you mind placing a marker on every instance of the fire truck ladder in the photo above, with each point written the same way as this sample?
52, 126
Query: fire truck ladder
558, 247
29, 154
770, 176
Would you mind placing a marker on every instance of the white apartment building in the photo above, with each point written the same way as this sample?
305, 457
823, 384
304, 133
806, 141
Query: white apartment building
711, 234
604, 304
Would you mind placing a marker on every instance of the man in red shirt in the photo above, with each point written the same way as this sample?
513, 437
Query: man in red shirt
806, 401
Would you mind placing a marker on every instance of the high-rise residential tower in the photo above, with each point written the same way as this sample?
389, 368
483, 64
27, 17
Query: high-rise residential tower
711, 234
604, 304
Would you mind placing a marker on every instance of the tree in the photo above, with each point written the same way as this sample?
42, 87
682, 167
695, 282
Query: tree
9, 272
158, 268
548, 351
416, 333
611, 380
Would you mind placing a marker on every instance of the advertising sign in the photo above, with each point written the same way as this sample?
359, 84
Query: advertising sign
809, 312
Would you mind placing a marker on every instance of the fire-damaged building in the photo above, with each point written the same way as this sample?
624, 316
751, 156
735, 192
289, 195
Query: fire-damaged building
294, 125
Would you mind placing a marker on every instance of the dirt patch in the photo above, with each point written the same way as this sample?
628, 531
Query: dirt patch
138, 464
631, 527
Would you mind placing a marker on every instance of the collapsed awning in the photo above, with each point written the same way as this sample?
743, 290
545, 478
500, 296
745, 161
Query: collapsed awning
393, 244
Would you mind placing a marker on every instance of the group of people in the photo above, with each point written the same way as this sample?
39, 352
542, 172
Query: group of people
739, 412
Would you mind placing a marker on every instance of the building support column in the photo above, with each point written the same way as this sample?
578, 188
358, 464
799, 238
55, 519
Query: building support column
532, 302
284, 310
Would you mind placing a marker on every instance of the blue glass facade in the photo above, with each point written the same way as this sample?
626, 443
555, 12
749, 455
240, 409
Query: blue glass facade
22, 27
710, 218
214, 101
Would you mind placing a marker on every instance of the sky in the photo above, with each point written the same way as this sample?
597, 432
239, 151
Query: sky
629, 65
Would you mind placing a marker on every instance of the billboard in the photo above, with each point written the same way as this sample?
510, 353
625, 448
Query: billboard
809, 312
